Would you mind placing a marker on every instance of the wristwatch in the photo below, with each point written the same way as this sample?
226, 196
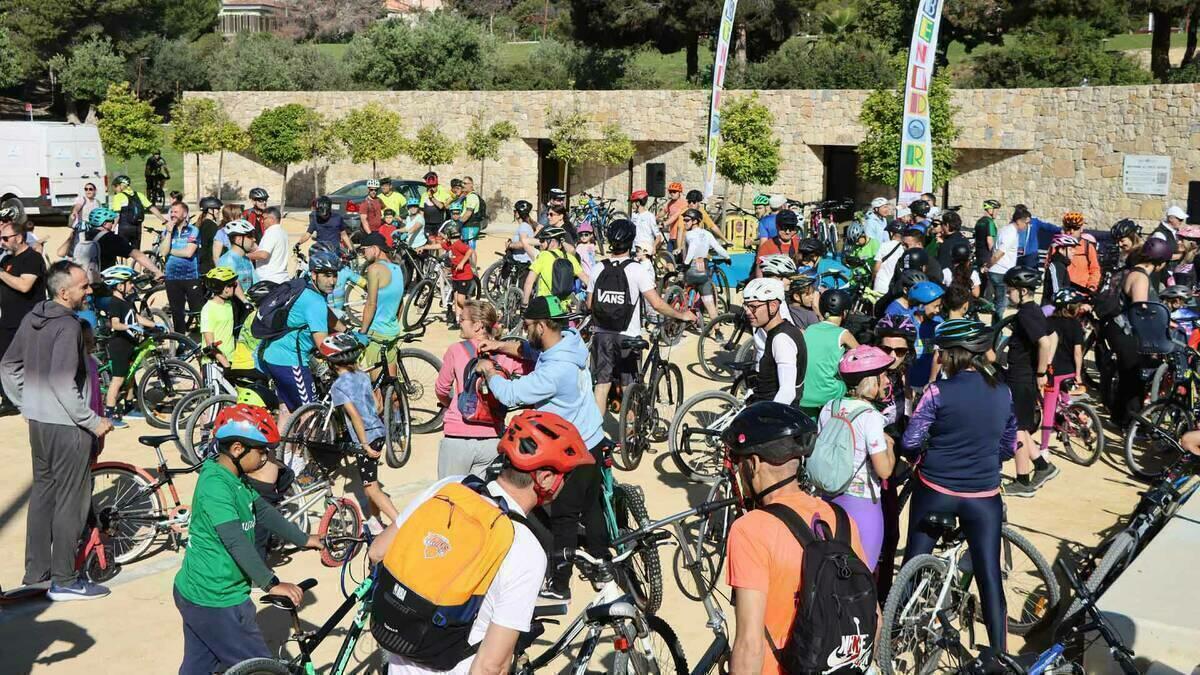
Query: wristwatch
1042, 374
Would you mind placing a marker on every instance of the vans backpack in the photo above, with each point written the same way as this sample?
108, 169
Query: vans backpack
834, 628
831, 466
562, 276
612, 303
270, 321
433, 578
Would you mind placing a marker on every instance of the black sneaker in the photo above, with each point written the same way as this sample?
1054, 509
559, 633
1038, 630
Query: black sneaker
1043, 476
552, 593
7, 409
1018, 489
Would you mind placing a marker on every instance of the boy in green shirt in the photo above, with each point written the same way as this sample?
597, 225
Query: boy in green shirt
216, 317
212, 588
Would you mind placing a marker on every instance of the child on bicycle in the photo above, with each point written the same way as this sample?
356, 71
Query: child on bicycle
462, 268
352, 393
212, 588
1067, 363
126, 328
216, 317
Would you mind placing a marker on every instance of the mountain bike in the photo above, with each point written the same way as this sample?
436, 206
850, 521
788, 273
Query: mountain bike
1147, 454
624, 508
504, 275
159, 380
722, 343
649, 402
694, 437
1078, 427
420, 297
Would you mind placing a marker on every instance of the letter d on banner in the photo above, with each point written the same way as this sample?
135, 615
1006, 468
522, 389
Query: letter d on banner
714, 108
916, 139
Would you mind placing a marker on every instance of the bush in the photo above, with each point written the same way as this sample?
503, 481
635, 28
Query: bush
883, 116
1054, 52
441, 51
564, 65
804, 63
263, 62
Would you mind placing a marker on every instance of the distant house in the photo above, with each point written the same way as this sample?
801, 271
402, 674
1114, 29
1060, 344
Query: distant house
399, 9
249, 16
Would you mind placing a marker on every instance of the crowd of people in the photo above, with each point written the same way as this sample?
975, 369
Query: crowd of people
884, 335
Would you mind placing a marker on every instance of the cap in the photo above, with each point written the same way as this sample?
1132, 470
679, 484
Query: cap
374, 239
777, 201
1177, 212
787, 219
878, 202
557, 193
544, 307
903, 212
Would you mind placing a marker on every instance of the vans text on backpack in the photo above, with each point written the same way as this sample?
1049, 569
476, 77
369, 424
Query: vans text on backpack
612, 303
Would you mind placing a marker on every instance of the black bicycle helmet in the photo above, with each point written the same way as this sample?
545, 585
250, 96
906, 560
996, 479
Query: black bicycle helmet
523, 207
776, 432
896, 325
1021, 277
695, 196
621, 233
787, 220
1125, 228
1157, 250
258, 195
809, 247
693, 214
1177, 291
210, 203
960, 251
910, 278
834, 302
919, 208
914, 259
974, 336
260, 290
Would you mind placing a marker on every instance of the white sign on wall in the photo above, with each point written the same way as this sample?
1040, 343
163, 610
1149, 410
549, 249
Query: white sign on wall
1147, 174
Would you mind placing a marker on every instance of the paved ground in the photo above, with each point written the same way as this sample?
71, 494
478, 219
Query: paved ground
137, 628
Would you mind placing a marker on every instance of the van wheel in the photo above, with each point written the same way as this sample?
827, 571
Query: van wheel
15, 204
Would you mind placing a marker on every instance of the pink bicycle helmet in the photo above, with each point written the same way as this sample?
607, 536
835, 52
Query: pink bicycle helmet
584, 226
863, 361
1060, 240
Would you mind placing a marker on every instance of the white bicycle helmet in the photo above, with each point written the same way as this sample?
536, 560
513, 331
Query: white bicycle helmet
778, 265
373, 183
237, 227
763, 290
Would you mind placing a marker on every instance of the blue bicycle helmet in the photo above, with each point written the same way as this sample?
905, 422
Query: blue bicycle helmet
324, 261
925, 292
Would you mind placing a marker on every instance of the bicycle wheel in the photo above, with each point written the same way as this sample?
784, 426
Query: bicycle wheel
162, 387
198, 435
418, 303
397, 427
1118, 553
356, 299
310, 422
721, 285
493, 282
672, 330
910, 629
714, 352
179, 419
644, 567
1082, 434
422, 369
1030, 587
342, 519
259, 666
659, 652
175, 346
510, 310
709, 547
127, 510
668, 395
1147, 455
633, 434
1162, 384
1091, 359
701, 455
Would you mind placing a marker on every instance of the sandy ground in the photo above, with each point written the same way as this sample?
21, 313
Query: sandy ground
137, 628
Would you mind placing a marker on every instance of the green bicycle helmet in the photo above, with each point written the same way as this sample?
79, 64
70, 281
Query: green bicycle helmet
99, 216
974, 336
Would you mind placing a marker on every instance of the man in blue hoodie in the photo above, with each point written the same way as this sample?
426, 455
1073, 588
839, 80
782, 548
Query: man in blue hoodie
560, 383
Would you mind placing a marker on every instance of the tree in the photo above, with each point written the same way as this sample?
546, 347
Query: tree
88, 71
883, 115
483, 143
1165, 15
430, 147
195, 128
319, 143
821, 63
569, 136
10, 63
128, 126
749, 151
180, 65
264, 62
613, 149
1057, 52
371, 134
440, 51
189, 19
230, 138
275, 137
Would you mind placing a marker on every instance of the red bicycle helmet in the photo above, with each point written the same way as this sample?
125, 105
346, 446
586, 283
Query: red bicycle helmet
542, 440
639, 194
251, 425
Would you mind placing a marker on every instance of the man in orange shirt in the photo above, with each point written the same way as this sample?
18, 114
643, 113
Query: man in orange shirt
670, 213
1084, 268
768, 441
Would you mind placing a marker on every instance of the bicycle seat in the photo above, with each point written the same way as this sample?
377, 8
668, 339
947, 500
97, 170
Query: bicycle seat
743, 366
155, 441
621, 608
722, 261
636, 343
550, 609
940, 521
282, 602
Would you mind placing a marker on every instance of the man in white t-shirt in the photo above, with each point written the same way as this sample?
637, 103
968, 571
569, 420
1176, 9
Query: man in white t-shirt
271, 256
887, 256
1004, 258
611, 361
647, 237
528, 480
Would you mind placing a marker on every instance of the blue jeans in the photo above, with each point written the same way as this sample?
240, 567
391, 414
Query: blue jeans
217, 638
999, 296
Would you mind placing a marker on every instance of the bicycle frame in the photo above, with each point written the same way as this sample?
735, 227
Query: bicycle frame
956, 579
308, 643
177, 518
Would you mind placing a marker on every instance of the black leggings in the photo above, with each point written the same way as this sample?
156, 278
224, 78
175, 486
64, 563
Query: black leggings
980, 519
1130, 389
178, 292
577, 502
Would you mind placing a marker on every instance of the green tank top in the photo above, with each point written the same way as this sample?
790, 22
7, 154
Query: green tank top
822, 340
386, 322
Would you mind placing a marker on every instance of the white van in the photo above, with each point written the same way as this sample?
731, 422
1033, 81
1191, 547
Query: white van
44, 166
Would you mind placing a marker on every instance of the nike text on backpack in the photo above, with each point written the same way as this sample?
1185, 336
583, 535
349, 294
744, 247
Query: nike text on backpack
434, 577
831, 466
612, 303
270, 322
834, 628
562, 275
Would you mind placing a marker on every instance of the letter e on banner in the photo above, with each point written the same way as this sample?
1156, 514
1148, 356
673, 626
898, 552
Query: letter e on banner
925, 31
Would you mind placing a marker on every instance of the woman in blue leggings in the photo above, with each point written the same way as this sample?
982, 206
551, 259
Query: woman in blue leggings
954, 429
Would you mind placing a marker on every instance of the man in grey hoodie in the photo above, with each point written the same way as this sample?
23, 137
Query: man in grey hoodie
45, 374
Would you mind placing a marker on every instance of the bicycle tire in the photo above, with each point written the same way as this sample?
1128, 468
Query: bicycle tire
711, 355
179, 418
203, 422
672, 329
491, 282
259, 666
422, 369
624, 662
1000, 341
1091, 368
714, 449
162, 401
647, 586
1118, 553
345, 517
510, 310
417, 304
711, 533
907, 580
356, 298
1092, 450
721, 285
1150, 459
124, 503
397, 427
667, 387
1040, 602
631, 428
1162, 375
287, 451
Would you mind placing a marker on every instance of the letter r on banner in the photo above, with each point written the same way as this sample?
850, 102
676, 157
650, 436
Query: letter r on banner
914, 155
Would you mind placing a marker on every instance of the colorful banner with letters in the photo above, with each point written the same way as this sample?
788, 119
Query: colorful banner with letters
916, 139
714, 111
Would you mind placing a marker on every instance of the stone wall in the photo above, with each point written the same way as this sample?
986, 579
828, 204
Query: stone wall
1053, 149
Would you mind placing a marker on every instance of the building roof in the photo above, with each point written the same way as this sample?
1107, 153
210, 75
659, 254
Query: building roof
246, 4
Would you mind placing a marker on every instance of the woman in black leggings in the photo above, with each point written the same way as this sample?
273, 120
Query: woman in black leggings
966, 427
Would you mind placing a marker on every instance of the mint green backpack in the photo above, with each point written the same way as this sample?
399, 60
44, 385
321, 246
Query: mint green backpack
831, 467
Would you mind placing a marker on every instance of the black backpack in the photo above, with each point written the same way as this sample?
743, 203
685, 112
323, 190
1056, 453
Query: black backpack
270, 322
134, 212
562, 275
1109, 301
479, 218
612, 303
834, 628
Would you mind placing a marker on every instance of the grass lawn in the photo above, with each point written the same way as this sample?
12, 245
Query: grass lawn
135, 168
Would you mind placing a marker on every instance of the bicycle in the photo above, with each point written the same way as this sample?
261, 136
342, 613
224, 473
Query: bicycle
722, 343
419, 299
687, 298
694, 437
1077, 426
504, 276
163, 380
1175, 409
930, 584
624, 509
649, 403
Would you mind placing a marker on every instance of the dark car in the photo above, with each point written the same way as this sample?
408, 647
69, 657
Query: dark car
347, 198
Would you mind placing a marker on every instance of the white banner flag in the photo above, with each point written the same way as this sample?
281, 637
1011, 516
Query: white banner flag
714, 111
916, 137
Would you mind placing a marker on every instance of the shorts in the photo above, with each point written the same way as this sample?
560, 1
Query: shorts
611, 362
368, 467
293, 384
120, 355
464, 288
1025, 400
698, 280
377, 348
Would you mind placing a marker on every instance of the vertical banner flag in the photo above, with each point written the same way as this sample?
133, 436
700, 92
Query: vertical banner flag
714, 111
916, 139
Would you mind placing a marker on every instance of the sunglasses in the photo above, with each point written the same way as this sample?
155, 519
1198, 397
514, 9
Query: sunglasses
6, 237
89, 189
895, 351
